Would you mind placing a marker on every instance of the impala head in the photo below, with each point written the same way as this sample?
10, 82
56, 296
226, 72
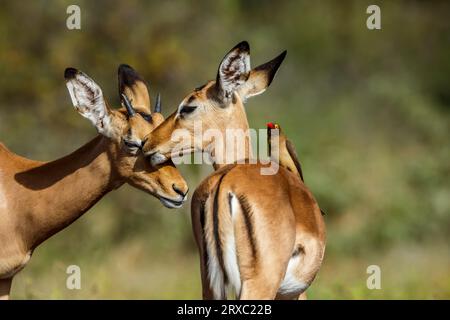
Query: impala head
216, 105
126, 129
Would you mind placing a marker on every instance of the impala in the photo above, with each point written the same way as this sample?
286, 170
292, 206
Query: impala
259, 236
38, 199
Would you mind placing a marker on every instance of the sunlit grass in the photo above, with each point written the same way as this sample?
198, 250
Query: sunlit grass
133, 271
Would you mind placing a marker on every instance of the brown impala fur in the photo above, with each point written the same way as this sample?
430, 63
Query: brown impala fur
260, 236
38, 199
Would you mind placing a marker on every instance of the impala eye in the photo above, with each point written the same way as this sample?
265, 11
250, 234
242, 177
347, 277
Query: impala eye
147, 117
187, 110
132, 144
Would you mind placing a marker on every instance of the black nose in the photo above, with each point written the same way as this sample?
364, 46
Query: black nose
179, 191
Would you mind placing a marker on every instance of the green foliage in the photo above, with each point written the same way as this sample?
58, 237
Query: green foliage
367, 110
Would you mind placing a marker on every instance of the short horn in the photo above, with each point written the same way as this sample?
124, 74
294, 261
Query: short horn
158, 103
130, 110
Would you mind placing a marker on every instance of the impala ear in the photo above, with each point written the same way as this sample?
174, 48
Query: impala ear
260, 78
87, 98
233, 70
134, 87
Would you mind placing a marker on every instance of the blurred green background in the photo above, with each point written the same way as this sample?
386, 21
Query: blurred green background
367, 110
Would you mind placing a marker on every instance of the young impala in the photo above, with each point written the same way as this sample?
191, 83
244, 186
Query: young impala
259, 236
38, 199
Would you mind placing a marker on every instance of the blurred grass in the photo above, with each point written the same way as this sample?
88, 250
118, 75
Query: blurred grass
367, 110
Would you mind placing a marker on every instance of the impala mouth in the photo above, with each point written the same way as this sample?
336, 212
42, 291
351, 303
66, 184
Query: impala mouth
172, 204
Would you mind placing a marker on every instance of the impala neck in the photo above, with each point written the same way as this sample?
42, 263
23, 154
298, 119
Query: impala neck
66, 188
239, 125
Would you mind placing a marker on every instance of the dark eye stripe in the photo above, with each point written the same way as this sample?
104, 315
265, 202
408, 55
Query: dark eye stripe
187, 109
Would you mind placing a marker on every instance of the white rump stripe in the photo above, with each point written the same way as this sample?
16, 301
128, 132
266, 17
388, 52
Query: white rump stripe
230, 253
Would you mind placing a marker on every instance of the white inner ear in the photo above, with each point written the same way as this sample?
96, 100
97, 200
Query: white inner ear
234, 71
248, 90
87, 98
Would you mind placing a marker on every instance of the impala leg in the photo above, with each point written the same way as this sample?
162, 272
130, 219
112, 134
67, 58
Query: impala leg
301, 296
207, 293
263, 284
5, 287
263, 280
197, 214
206, 289
259, 288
